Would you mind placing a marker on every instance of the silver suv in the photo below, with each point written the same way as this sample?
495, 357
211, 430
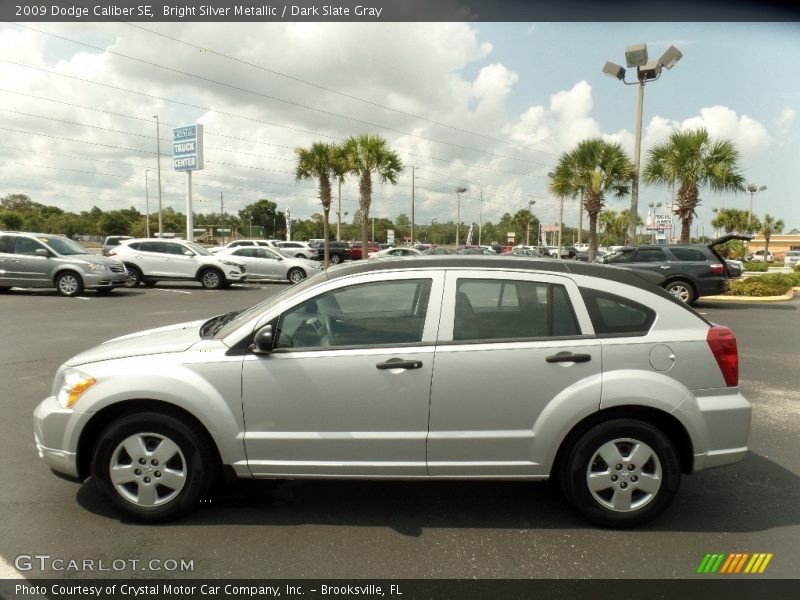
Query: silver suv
151, 260
46, 260
584, 373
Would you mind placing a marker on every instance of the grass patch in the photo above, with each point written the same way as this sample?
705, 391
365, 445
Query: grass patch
774, 284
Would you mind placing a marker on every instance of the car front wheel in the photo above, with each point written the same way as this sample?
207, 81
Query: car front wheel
296, 275
682, 290
69, 284
134, 277
152, 466
212, 279
621, 473
335, 259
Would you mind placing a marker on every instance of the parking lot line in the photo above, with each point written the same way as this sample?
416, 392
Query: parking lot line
173, 291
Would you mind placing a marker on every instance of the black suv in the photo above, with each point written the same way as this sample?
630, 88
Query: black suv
337, 251
689, 270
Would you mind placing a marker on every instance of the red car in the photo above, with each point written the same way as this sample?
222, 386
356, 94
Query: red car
355, 249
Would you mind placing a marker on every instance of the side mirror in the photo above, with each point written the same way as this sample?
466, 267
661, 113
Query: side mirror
188, 253
42, 252
262, 341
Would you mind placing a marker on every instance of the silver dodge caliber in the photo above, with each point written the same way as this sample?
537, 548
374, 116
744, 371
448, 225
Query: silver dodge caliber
427, 368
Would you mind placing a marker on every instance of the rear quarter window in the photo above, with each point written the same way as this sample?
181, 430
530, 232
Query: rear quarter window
615, 316
689, 254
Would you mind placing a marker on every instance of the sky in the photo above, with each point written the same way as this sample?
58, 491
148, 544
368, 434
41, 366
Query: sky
485, 106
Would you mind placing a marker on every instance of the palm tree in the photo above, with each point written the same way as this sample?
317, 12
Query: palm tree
769, 226
319, 162
692, 160
596, 167
608, 220
364, 155
730, 219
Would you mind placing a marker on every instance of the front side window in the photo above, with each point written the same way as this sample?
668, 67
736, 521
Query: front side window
27, 246
493, 309
688, 254
619, 257
367, 314
651, 255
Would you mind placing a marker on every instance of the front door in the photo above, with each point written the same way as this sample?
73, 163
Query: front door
27, 268
347, 389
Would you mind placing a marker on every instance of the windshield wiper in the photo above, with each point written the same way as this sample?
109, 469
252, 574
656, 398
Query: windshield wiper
223, 320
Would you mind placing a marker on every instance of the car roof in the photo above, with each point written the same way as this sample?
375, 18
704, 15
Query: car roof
637, 278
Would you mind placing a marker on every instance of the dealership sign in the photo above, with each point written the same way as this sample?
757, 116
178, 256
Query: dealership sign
187, 147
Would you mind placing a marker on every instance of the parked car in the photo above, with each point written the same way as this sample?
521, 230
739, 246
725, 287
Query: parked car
338, 252
690, 270
440, 250
244, 244
791, 258
42, 260
356, 249
271, 264
529, 252
758, 256
735, 268
150, 260
299, 249
396, 252
112, 241
609, 385
583, 255
477, 250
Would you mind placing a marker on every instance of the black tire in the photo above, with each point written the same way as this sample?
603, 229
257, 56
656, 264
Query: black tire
682, 290
296, 274
134, 276
151, 495
625, 479
211, 279
105, 290
335, 259
69, 283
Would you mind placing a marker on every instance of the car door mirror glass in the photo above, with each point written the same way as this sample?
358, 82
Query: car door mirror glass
42, 252
262, 341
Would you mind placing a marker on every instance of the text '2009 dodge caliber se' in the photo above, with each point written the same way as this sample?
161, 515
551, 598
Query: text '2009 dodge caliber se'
476, 368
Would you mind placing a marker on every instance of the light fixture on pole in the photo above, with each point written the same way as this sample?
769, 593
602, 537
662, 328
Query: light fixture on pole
459, 191
480, 216
636, 56
146, 205
752, 189
158, 153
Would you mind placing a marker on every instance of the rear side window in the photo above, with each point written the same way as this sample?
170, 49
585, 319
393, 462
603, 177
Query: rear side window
492, 309
7, 244
651, 255
614, 315
688, 254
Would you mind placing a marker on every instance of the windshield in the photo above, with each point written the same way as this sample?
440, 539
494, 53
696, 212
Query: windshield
197, 249
238, 319
64, 246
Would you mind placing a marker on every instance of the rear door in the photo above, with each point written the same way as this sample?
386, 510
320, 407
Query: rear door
514, 350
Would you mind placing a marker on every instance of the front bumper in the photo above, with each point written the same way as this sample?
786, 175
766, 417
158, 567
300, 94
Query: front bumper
104, 279
56, 432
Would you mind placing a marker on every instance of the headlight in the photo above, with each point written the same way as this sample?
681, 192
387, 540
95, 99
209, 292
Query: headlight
230, 263
96, 267
73, 385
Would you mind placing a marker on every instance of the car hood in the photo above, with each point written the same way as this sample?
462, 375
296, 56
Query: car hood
172, 338
97, 259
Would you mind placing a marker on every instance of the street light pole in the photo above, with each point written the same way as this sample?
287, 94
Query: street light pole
636, 56
530, 217
146, 205
480, 217
158, 154
753, 189
459, 191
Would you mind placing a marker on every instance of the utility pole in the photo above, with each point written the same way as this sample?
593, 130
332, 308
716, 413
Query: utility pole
222, 216
158, 153
412, 204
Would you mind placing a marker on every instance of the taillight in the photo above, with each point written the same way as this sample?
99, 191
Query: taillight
718, 269
112, 253
723, 346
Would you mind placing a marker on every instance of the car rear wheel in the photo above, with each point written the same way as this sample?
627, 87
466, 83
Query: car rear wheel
134, 276
212, 279
682, 290
69, 284
621, 473
296, 275
335, 259
152, 466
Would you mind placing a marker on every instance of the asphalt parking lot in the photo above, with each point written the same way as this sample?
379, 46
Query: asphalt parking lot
346, 529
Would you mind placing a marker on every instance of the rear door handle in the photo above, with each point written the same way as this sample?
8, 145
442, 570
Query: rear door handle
399, 363
569, 357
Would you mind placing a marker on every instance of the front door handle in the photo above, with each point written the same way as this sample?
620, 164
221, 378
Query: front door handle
399, 363
568, 357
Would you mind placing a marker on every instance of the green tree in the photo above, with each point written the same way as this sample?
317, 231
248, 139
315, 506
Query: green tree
364, 156
770, 225
115, 222
597, 168
11, 220
730, 220
691, 160
263, 213
321, 162
524, 221
19, 203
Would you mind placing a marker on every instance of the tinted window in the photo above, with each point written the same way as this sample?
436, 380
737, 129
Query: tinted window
250, 252
27, 246
688, 254
621, 256
151, 247
7, 244
651, 255
506, 309
614, 315
368, 314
